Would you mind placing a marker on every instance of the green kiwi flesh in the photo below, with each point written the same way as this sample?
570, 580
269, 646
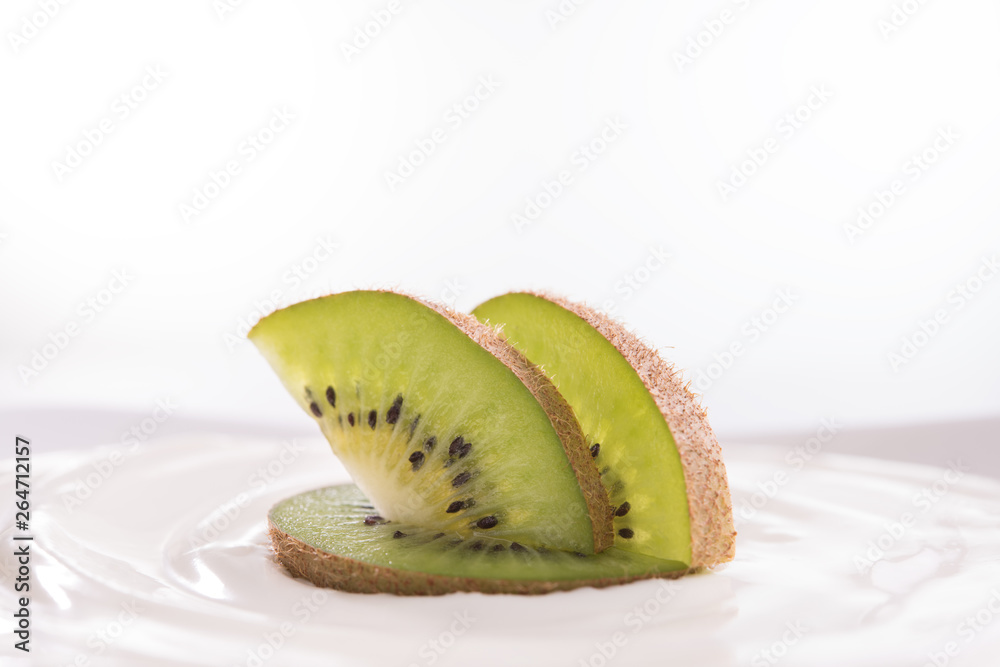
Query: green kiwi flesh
328, 536
658, 458
438, 421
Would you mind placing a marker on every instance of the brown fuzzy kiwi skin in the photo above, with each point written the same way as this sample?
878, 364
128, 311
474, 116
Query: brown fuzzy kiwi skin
328, 570
560, 414
713, 535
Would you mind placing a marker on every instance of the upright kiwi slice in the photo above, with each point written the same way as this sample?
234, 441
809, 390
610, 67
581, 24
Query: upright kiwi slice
326, 536
439, 422
650, 438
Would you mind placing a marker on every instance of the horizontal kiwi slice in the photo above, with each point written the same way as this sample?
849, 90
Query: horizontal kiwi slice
328, 537
659, 460
438, 421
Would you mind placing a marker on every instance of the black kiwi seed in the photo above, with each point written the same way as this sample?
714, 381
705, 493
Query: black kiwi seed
517, 546
487, 522
477, 546
373, 519
461, 478
417, 459
413, 425
350, 418
315, 409
595, 449
498, 547
372, 417
331, 397
623, 509
456, 506
459, 447
429, 444
627, 533
437, 536
392, 416
398, 534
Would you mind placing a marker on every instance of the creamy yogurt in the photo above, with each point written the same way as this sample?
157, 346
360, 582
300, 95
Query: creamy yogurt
162, 559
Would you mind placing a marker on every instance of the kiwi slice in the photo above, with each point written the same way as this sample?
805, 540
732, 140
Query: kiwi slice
659, 460
328, 536
439, 422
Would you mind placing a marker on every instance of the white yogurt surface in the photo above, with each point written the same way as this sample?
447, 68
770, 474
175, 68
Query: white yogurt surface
162, 559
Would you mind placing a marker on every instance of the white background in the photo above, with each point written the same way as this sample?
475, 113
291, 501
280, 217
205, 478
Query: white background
447, 230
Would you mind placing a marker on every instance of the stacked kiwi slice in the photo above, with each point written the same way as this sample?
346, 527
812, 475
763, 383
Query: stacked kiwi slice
536, 446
